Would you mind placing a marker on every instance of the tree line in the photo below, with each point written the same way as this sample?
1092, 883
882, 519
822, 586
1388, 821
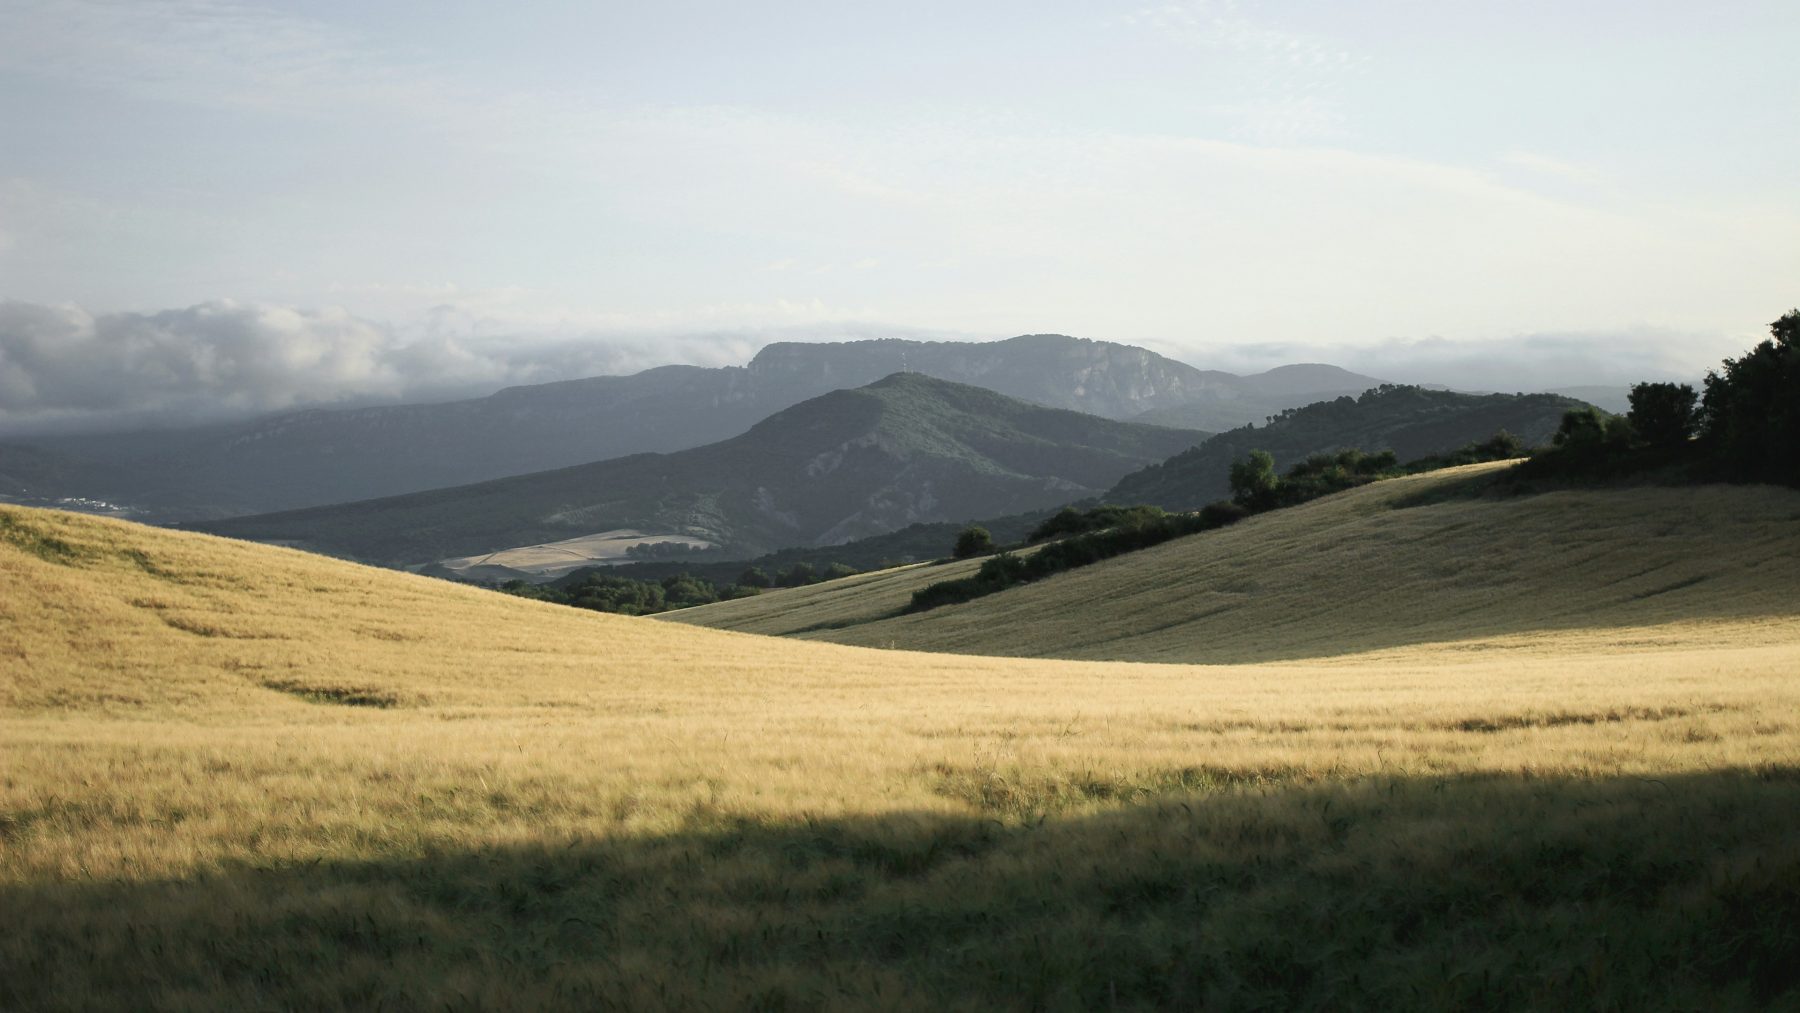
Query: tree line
1074, 538
1742, 426
607, 592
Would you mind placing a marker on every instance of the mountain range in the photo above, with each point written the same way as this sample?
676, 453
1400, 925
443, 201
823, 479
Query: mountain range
318, 457
1411, 421
843, 465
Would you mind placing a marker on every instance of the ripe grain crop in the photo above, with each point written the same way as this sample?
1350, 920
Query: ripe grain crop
240, 777
1362, 571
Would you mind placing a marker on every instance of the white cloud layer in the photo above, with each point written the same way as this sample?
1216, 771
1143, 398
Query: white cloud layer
65, 369
1525, 362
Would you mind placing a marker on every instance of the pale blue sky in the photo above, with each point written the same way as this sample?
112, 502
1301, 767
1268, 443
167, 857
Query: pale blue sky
1236, 183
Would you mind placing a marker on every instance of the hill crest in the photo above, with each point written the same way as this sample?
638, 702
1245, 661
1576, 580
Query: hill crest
846, 464
1361, 572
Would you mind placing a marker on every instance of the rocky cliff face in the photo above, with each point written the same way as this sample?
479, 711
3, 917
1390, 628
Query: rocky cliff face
1097, 377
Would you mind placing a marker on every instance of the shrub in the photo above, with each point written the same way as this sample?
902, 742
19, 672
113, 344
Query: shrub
1067, 521
1222, 513
973, 541
1502, 446
1004, 568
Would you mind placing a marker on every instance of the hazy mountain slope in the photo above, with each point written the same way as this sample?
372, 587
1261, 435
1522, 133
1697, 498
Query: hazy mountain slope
1411, 421
27, 471
849, 463
1252, 399
1353, 573
329, 456
1096, 377
1615, 399
320, 457
1304, 378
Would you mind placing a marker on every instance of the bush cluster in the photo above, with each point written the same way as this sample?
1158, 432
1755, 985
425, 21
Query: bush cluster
1084, 537
608, 592
1089, 536
1502, 446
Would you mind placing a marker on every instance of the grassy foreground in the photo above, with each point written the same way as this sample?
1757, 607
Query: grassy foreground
238, 777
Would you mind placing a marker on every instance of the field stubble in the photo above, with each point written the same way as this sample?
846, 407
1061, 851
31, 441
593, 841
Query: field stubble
240, 777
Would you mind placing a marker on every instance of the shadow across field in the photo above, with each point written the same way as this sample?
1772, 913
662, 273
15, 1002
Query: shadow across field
1484, 892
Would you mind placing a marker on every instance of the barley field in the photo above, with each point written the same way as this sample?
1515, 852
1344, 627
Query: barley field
1363, 572
240, 777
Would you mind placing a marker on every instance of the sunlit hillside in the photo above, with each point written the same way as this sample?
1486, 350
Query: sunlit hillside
240, 777
1374, 569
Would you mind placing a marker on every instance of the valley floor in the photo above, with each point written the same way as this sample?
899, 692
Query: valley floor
239, 777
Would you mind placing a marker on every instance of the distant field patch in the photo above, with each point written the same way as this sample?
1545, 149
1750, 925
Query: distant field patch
549, 560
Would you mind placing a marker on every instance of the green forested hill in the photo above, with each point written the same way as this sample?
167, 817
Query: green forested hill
1411, 421
849, 464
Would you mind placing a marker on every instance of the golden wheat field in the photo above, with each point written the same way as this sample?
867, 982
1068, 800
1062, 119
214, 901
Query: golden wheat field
241, 777
1572, 570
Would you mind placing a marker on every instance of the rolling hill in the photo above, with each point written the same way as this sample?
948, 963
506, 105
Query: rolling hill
848, 464
238, 776
319, 457
1354, 573
1411, 421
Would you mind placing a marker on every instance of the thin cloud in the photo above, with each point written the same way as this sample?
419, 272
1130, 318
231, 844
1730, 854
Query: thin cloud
203, 52
1525, 362
1548, 166
1288, 86
65, 369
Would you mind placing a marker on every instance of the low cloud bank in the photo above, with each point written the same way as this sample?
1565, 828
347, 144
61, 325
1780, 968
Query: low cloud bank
1529, 362
63, 369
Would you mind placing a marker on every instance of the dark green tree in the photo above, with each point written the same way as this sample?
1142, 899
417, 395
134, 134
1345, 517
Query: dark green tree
798, 575
755, 577
1663, 414
1067, 521
974, 540
1581, 429
1750, 411
683, 590
1253, 482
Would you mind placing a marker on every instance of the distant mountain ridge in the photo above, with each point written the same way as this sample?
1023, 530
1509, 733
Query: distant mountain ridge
1411, 421
320, 456
844, 465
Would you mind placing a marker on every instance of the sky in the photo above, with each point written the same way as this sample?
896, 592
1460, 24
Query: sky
235, 207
